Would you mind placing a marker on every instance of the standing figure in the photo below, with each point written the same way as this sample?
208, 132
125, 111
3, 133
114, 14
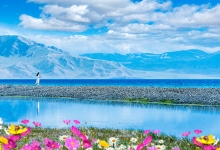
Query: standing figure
38, 79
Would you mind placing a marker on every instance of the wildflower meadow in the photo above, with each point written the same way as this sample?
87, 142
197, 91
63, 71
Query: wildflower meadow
76, 137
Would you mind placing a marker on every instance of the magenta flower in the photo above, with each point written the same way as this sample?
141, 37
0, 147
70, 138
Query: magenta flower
26, 132
76, 121
72, 143
35, 143
26, 147
75, 130
53, 145
146, 131
87, 144
198, 131
15, 138
140, 146
66, 121
147, 140
46, 141
156, 131
194, 141
37, 124
176, 148
25, 121
186, 133
208, 147
82, 136
10, 146
36, 147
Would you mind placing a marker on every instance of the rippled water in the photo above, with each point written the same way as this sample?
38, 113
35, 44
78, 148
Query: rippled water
171, 120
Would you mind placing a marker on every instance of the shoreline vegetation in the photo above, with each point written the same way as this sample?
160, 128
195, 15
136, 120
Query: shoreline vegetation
127, 95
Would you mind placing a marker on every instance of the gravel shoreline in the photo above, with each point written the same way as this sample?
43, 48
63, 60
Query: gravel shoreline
205, 96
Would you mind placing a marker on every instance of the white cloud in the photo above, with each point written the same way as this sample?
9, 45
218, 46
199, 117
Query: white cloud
50, 24
146, 26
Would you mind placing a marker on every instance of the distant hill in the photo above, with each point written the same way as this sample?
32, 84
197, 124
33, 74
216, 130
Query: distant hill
23, 58
184, 61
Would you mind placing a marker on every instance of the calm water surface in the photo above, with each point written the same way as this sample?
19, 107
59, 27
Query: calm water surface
204, 83
171, 120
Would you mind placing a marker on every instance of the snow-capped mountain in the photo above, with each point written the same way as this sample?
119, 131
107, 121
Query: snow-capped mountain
23, 58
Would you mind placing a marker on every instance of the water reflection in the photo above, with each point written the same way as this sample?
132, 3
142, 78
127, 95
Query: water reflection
169, 119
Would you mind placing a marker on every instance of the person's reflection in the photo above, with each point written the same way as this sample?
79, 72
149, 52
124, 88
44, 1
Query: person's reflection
38, 107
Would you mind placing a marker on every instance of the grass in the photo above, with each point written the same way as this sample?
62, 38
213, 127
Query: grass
124, 137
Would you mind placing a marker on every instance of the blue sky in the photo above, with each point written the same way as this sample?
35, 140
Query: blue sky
109, 26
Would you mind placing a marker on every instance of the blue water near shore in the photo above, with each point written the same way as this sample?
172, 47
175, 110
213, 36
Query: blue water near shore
171, 120
204, 83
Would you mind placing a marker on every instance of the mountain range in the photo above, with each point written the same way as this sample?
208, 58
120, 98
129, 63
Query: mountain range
23, 58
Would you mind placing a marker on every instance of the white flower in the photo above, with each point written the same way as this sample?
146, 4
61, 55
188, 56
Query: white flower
158, 146
216, 141
133, 140
122, 147
97, 141
109, 148
152, 144
134, 146
1, 121
162, 147
6, 131
63, 138
89, 148
113, 140
161, 141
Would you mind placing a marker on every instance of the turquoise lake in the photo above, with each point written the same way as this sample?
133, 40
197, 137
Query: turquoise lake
171, 120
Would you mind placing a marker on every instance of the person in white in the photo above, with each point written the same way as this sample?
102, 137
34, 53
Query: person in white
38, 79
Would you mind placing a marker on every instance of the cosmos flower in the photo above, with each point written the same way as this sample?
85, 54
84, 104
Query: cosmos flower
25, 121
72, 143
16, 130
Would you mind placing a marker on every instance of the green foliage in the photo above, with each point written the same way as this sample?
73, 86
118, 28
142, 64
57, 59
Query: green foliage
166, 101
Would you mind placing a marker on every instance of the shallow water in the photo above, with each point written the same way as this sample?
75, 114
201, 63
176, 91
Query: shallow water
172, 120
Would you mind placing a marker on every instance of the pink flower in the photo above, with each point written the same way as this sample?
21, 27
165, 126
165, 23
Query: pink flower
198, 131
140, 146
87, 144
186, 133
75, 130
208, 147
10, 146
146, 131
15, 138
76, 121
196, 142
66, 121
72, 143
36, 147
25, 121
37, 124
35, 143
26, 147
46, 141
176, 148
53, 145
94, 140
26, 132
147, 140
156, 131
82, 136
